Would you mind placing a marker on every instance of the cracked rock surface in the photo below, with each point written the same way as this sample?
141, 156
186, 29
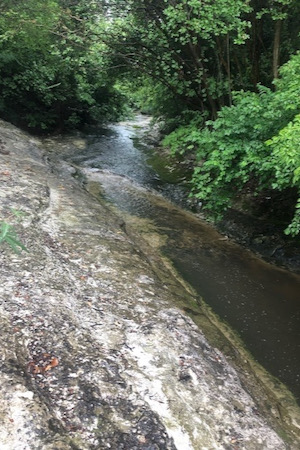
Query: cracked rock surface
94, 352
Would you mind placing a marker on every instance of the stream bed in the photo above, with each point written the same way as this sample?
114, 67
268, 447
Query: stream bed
259, 301
103, 343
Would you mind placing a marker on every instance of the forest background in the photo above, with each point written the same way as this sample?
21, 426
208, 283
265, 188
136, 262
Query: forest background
223, 76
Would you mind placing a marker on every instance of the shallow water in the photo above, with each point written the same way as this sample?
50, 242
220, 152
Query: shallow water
259, 301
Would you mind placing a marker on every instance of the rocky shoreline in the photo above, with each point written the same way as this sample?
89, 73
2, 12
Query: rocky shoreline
95, 352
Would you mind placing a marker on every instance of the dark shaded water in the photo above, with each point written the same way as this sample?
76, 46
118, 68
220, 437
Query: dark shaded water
259, 301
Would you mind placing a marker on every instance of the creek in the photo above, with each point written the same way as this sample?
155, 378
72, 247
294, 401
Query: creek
259, 301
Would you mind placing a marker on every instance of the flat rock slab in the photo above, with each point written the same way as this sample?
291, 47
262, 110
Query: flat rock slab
94, 354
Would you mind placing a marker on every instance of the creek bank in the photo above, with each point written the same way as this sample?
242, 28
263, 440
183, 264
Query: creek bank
256, 223
95, 352
263, 236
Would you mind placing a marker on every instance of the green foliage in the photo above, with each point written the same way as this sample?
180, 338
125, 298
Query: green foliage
192, 18
285, 156
53, 75
150, 97
288, 85
294, 227
185, 138
285, 162
200, 51
255, 142
8, 235
60, 59
278, 9
175, 45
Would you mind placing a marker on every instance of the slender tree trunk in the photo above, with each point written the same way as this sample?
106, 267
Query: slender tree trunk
229, 70
276, 48
255, 50
220, 76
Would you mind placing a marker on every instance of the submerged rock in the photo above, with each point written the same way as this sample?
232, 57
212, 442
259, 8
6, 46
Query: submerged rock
95, 354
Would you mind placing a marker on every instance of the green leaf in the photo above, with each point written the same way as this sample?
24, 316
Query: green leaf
9, 236
5, 227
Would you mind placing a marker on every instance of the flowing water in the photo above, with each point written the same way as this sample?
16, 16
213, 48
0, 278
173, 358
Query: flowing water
259, 301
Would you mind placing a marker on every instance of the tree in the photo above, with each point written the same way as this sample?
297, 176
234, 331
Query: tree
52, 73
251, 146
276, 18
177, 44
202, 51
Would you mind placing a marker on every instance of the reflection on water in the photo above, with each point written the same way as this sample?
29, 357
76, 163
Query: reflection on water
261, 302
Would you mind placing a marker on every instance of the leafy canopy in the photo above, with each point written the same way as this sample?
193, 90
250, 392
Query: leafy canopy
53, 73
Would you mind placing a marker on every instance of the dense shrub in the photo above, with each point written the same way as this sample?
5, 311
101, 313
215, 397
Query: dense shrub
53, 75
257, 139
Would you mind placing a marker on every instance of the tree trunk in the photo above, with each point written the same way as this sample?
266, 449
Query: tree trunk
276, 48
255, 50
229, 70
